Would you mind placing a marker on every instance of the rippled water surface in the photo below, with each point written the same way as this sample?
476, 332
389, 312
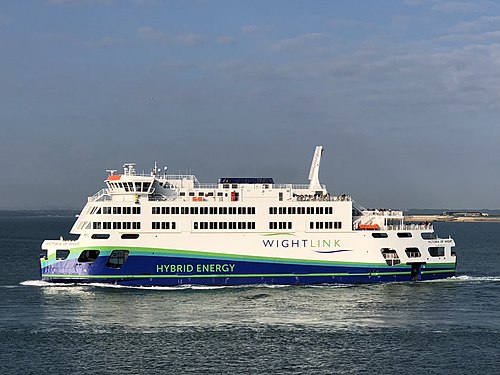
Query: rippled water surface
448, 326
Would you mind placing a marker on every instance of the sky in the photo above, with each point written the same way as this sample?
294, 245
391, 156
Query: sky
403, 95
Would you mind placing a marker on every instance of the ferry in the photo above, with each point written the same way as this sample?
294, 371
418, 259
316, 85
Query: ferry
159, 229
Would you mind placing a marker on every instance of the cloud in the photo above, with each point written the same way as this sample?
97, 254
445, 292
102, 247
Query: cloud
151, 34
478, 24
179, 66
299, 41
457, 7
107, 41
224, 39
255, 29
490, 36
80, 2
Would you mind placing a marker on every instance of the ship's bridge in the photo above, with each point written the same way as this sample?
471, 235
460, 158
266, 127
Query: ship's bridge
128, 183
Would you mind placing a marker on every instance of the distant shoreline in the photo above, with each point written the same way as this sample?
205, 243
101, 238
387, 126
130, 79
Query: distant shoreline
450, 218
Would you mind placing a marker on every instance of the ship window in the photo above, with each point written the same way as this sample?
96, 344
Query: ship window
404, 234
165, 210
88, 256
191, 194
117, 258
106, 225
117, 225
126, 210
155, 210
96, 225
117, 210
232, 210
195, 225
136, 210
173, 225
62, 254
130, 236
301, 210
130, 186
213, 210
220, 194
428, 235
329, 210
106, 210
225, 186
125, 186
436, 251
146, 186
412, 252
310, 210
390, 256
100, 236
453, 252
182, 194
280, 196
211, 194
379, 235
44, 254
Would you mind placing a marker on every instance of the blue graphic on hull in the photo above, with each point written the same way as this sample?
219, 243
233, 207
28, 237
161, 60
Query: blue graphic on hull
167, 270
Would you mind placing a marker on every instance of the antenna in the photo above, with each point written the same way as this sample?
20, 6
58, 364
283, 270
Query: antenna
314, 171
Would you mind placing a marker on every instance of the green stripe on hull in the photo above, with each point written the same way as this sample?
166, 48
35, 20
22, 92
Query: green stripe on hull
224, 275
106, 250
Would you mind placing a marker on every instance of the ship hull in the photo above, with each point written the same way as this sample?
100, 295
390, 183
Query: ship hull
152, 269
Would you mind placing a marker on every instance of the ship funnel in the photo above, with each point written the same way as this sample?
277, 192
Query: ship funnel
314, 171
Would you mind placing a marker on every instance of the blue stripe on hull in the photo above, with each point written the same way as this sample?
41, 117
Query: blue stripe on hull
151, 271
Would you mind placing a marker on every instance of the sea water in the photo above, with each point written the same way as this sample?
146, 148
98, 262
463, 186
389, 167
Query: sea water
448, 326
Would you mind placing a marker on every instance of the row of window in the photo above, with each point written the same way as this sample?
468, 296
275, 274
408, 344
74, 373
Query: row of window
224, 225
325, 225
163, 225
116, 210
116, 259
301, 210
280, 225
203, 210
424, 235
392, 258
116, 225
132, 187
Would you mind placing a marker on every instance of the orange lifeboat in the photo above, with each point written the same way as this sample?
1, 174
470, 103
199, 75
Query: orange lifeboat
369, 226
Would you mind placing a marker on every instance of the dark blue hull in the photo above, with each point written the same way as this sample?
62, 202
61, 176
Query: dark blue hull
161, 270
